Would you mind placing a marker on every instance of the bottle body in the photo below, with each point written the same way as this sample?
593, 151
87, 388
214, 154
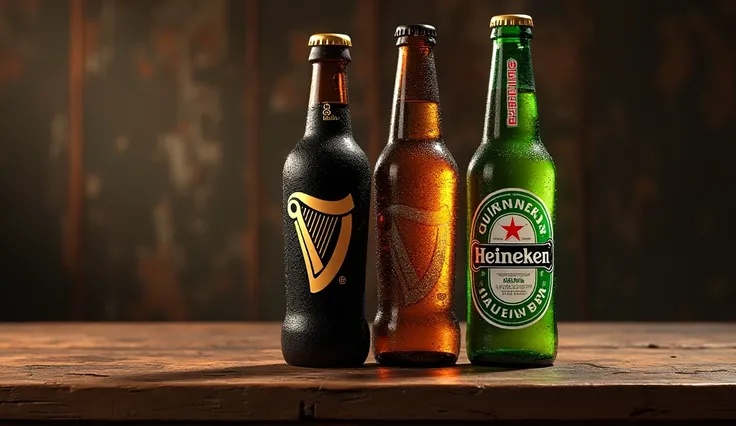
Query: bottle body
415, 183
511, 183
416, 200
504, 324
326, 202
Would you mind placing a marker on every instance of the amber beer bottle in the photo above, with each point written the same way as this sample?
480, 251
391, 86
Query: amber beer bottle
416, 182
511, 215
326, 190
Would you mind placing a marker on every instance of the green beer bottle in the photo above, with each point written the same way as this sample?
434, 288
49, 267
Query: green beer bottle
511, 215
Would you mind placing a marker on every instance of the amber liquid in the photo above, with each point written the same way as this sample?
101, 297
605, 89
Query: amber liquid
416, 182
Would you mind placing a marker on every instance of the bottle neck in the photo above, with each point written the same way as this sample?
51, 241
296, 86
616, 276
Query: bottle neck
511, 108
415, 115
328, 112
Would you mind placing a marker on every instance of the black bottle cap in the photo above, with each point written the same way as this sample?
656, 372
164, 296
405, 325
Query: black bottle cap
415, 30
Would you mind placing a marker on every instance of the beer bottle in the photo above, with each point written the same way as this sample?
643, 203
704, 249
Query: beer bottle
416, 182
511, 215
326, 190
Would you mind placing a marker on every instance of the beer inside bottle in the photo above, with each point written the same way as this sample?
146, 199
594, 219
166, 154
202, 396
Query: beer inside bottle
326, 190
511, 215
416, 199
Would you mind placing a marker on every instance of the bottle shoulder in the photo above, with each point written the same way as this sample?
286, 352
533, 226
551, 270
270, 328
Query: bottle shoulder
329, 173
499, 154
416, 154
342, 152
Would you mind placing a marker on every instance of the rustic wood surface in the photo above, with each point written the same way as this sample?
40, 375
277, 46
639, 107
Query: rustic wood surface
143, 142
187, 372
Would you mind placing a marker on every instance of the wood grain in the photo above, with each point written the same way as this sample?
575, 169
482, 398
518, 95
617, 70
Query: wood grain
186, 128
658, 119
366, 75
75, 184
34, 159
251, 100
232, 372
164, 162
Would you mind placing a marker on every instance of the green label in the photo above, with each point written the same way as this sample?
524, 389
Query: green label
511, 257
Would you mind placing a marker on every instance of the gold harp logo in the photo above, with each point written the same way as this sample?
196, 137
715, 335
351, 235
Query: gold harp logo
413, 287
324, 229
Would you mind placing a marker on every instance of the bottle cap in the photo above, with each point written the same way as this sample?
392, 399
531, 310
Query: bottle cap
512, 20
415, 30
329, 39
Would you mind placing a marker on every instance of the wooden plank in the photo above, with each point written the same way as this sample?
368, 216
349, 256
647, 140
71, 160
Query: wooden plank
34, 159
365, 74
579, 10
201, 371
165, 206
252, 99
660, 118
313, 422
75, 183
317, 422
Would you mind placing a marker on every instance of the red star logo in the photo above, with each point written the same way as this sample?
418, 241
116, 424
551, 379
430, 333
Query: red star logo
512, 230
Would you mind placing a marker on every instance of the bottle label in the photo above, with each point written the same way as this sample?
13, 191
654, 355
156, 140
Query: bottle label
324, 229
327, 114
511, 258
417, 262
511, 93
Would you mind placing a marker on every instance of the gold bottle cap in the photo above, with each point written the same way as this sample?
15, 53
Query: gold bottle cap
511, 20
329, 39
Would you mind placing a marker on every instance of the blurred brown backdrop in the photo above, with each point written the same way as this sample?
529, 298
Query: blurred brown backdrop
141, 146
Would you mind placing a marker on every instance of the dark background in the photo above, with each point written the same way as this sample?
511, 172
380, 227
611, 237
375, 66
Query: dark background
142, 141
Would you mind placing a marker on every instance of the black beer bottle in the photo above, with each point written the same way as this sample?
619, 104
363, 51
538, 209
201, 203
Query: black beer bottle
327, 185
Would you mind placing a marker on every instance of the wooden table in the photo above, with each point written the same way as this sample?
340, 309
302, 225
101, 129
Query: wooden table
234, 372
